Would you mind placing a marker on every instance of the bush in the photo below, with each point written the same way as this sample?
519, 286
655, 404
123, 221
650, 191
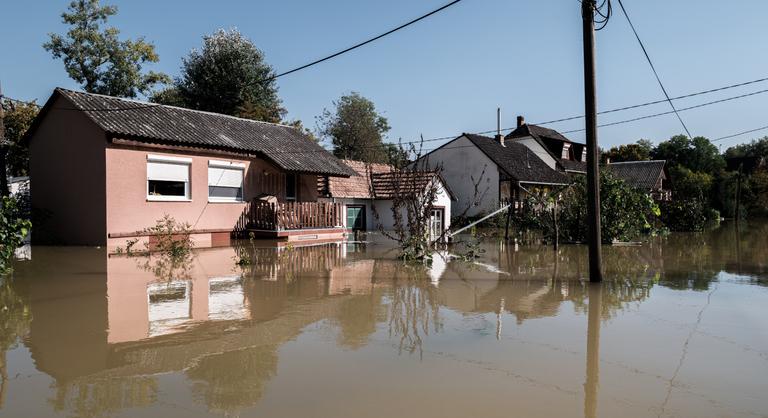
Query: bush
685, 214
14, 227
626, 213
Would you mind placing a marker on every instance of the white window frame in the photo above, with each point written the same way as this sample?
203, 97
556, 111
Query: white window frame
151, 158
233, 166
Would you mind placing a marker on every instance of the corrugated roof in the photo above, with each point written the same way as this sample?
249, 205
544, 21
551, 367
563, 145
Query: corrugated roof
643, 175
518, 161
286, 146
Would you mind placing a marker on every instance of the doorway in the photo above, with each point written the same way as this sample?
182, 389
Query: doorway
356, 217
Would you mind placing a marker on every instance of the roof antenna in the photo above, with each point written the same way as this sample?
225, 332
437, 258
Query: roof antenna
498, 121
499, 137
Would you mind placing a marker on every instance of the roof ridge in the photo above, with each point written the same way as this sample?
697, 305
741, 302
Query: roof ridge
638, 161
150, 104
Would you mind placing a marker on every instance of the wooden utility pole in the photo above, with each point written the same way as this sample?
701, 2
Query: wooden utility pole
593, 171
3, 149
737, 212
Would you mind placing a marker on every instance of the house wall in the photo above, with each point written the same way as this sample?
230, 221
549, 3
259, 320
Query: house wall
67, 179
387, 220
384, 210
129, 210
539, 150
462, 162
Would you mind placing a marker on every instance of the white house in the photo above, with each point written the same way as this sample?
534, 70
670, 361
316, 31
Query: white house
367, 196
485, 172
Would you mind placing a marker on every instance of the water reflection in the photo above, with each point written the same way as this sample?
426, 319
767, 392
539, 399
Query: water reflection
108, 330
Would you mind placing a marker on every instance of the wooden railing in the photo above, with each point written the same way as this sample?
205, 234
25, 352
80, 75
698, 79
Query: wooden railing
290, 216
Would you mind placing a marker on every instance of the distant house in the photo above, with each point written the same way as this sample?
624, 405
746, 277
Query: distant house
102, 169
649, 176
551, 146
367, 196
485, 172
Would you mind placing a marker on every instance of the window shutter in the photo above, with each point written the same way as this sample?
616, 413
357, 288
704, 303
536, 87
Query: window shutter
225, 177
167, 171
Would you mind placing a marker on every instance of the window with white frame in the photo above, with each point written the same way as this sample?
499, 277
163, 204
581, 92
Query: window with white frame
225, 181
168, 178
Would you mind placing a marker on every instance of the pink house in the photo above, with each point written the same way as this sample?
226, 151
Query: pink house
103, 168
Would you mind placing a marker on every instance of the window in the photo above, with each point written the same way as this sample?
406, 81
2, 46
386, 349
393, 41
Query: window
225, 181
290, 186
168, 178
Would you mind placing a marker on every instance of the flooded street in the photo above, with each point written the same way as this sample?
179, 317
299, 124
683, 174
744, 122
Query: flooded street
344, 330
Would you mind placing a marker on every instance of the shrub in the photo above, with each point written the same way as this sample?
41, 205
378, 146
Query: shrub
685, 214
14, 227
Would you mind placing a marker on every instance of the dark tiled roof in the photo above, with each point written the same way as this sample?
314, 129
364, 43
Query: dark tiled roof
537, 132
643, 175
577, 166
285, 146
518, 161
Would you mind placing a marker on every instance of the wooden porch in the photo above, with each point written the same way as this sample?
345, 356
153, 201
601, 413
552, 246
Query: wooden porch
292, 220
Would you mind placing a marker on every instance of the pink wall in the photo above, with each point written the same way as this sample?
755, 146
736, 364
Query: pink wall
129, 210
67, 183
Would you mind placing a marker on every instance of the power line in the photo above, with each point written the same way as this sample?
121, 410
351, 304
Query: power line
739, 134
139, 106
655, 73
621, 122
375, 38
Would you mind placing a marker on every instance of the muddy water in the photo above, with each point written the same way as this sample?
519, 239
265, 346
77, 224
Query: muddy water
680, 329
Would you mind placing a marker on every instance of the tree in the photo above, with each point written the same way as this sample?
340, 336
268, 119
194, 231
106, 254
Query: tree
18, 118
97, 58
229, 75
355, 129
639, 151
697, 154
757, 148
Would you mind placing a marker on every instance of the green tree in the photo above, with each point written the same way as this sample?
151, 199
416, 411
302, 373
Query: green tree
97, 59
355, 129
757, 148
228, 75
697, 154
639, 151
18, 118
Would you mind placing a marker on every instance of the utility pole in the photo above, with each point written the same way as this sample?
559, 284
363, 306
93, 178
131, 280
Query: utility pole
3, 149
593, 170
737, 212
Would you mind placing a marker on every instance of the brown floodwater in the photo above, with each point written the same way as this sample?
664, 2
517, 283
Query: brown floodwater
680, 328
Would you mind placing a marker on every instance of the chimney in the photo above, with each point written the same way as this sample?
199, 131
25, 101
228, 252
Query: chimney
500, 138
520, 121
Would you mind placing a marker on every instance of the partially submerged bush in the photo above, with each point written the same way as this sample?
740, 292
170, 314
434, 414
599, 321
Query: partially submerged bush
685, 215
626, 213
14, 227
168, 250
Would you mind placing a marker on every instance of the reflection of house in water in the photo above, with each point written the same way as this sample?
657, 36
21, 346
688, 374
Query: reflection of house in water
105, 326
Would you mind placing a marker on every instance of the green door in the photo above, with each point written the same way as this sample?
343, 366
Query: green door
356, 218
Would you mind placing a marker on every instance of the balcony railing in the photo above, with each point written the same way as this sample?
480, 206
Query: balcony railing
282, 216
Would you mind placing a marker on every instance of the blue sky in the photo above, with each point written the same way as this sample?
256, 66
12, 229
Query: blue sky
449, 73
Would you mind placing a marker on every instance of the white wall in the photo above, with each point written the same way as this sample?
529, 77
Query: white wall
462, 161
384, 210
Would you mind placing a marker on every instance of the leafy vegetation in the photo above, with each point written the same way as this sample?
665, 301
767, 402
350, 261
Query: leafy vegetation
97, 59
17, 119
626, 213
167, 252
14, 227
228, 75
357, 130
